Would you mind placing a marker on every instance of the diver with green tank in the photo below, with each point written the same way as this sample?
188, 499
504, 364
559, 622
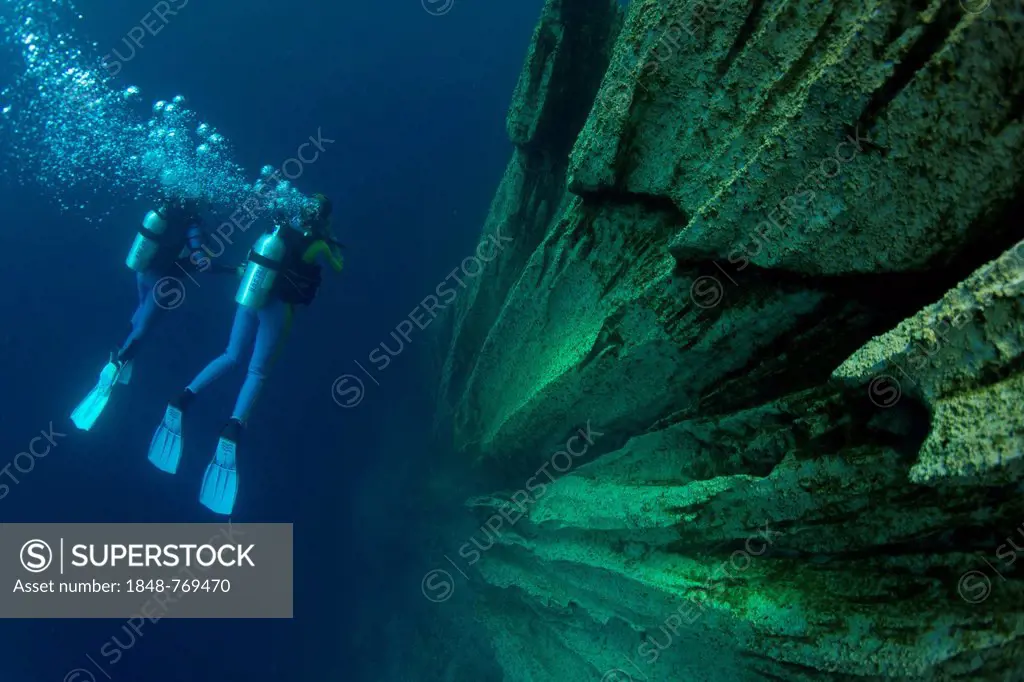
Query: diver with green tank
282, 271
171, 239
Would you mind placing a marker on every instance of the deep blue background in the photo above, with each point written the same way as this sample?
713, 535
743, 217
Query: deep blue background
417, 105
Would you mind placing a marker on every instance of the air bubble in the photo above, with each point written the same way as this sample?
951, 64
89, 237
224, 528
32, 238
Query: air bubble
72, 130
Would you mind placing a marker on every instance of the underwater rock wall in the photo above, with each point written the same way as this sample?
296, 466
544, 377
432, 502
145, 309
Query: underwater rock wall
751, 375
552, 100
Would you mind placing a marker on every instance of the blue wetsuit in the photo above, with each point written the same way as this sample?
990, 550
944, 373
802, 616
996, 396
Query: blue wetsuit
149, 303
266, 329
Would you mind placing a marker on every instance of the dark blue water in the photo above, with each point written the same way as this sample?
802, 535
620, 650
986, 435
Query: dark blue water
416, 105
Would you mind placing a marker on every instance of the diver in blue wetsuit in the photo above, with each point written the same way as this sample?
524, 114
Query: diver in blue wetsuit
168, 243
282, 272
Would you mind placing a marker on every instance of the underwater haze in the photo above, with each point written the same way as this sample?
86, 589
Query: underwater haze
573, 340
413, 105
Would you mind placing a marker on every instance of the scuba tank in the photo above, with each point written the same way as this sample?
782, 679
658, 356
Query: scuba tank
147, 241
265, 259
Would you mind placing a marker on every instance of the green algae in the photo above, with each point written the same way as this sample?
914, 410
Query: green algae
775, 260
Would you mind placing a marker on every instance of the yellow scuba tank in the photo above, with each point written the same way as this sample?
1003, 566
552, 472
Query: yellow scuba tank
147, 241
265, 259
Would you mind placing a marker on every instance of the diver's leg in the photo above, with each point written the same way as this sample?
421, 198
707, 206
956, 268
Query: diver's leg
242, 331
166, 446
220, 482
275, 323
119, 368
143, 316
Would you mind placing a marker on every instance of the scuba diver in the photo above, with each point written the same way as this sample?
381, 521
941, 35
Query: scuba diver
282, 272
170, 238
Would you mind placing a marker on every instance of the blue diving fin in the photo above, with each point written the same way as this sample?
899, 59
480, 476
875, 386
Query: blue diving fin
89, 410
220, 482
165, 448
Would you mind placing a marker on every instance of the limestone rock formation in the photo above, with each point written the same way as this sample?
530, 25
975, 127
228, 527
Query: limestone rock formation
747, 388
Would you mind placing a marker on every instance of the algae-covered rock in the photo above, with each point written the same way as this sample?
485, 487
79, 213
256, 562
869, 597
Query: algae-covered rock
960, 356
557, 85
746, 392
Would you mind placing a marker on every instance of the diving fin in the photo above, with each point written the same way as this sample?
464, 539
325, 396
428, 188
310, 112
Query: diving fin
89, 410
125, 375
165, 448
220, 482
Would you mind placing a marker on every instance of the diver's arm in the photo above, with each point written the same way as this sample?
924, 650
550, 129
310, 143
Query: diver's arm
198, 259
223, 269
195, 238
322, 248
194, 241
